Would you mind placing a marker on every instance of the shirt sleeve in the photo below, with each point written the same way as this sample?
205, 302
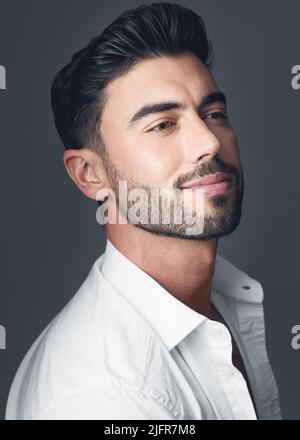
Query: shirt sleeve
111, 403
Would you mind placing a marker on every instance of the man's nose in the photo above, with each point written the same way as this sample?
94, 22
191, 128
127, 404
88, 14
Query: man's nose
199, 141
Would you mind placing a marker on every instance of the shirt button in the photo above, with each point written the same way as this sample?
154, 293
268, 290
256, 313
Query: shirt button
225, 371
219, 331
216, 332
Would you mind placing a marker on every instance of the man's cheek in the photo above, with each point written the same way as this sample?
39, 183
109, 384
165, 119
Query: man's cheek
230, 149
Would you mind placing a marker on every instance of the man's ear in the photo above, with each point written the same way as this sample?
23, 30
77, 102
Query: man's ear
85, 167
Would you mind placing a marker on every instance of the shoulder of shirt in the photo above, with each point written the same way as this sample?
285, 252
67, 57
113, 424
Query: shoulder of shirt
99, 339
231, 281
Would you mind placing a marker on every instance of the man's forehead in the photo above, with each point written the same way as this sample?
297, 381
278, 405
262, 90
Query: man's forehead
165, 78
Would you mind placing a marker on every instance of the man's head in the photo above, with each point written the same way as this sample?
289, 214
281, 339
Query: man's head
140, 105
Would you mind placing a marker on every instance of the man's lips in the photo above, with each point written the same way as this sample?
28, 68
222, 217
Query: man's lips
213, 184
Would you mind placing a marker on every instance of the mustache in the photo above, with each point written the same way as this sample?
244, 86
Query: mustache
209, 167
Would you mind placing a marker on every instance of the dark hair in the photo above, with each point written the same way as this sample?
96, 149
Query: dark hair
147, 31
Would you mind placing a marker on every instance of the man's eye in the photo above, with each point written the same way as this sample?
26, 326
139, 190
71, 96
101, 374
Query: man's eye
163, 126
216, 115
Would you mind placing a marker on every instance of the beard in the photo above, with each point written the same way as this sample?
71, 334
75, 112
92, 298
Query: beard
219, 217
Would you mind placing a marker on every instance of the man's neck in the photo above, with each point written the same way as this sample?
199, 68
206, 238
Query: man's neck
183, 267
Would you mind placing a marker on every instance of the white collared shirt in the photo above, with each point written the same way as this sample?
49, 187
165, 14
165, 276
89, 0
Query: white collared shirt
125, 348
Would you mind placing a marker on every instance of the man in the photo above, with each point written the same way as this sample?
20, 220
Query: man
162, 327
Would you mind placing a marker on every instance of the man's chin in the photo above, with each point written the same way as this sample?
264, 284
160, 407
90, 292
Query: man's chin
213, 228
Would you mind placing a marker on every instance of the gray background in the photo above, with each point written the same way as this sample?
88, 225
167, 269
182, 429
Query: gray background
49, 234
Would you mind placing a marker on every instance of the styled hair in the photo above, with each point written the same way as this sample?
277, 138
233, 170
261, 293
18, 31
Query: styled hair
148, 31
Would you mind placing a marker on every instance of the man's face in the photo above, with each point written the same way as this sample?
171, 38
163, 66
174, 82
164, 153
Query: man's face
188, 136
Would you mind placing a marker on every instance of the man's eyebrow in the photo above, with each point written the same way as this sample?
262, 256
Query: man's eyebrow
173, 105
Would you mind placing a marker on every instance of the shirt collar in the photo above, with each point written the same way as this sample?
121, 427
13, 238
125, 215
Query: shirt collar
229, 280
161, 309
